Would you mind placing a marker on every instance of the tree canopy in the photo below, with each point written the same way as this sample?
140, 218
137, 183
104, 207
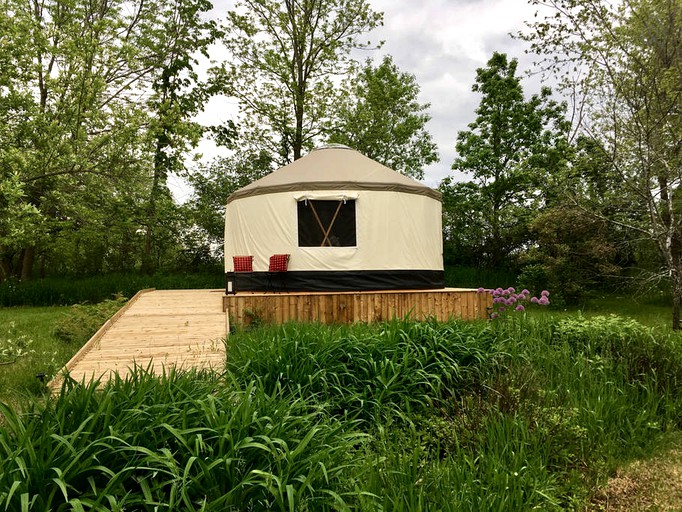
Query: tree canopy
82, 107
383, 119
284, 57
508, 151
624, 63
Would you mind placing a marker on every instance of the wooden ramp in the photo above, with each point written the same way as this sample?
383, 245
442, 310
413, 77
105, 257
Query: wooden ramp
157, 329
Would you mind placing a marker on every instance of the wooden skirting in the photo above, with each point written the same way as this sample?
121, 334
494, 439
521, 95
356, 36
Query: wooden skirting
348, 307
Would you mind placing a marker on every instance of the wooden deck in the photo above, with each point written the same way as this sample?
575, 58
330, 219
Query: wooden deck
186, 328
157, 328
346, 307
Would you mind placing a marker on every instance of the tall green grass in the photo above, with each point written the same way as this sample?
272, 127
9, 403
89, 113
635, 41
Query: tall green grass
53, 291
179, 442
526, 414
366, 372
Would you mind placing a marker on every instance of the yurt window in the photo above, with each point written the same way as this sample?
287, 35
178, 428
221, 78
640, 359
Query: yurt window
326, 223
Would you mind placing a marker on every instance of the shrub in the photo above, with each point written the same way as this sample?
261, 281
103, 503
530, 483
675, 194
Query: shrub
53, 291
644, 353
83, 320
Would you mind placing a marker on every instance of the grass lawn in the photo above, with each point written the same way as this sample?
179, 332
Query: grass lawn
28, 347
535, 412
40, 341
651, 312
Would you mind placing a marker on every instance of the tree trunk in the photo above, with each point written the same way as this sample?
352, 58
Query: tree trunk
158, 182
5, 265
28, 259
675, 259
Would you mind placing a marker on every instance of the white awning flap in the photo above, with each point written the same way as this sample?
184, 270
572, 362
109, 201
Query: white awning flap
326, 195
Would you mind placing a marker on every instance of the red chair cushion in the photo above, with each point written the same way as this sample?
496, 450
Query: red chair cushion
243, 263
279, 262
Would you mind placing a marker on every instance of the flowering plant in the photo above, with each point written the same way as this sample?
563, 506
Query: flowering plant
506, 301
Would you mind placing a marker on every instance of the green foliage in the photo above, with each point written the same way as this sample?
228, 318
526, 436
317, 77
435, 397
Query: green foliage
17, 218
459, 276
573, 250
95, 99
283, 77
365, 373
177, 96
508, 152
53, 291
396, 416
83, 321
642, 353
383, 120
576, 248
622, 63
187, 441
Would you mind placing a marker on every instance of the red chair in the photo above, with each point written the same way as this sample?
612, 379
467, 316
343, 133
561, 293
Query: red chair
278, 266
240, 264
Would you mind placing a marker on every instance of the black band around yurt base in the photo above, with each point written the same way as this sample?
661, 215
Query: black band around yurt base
334, 281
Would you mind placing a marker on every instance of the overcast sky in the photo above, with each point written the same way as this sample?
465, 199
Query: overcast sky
441, 42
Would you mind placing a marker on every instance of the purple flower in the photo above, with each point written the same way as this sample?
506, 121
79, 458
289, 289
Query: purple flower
501, 309
480, 290
544, 301
498, 300
525, 292
511, 300
520, 308
510, 290
534, 300
545, 293
500, 291
493, 316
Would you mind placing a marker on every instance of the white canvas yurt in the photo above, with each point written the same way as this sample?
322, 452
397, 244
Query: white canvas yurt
345, 221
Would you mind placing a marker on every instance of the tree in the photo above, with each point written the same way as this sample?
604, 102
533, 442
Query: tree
464, 232
212, 185
383, 119
573, 249
69, 125
508, 150
628, 89
177, 95
16, 222
95, 98
284, 55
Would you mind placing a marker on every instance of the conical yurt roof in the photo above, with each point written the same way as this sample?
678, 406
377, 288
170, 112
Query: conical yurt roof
334, 167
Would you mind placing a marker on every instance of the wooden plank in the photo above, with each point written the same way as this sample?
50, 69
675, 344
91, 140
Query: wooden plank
182, 328
56, 381
343, 307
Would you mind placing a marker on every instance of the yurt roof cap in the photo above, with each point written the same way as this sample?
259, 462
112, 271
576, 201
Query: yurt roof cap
334, 167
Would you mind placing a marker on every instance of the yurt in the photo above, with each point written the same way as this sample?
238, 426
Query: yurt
334, 220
